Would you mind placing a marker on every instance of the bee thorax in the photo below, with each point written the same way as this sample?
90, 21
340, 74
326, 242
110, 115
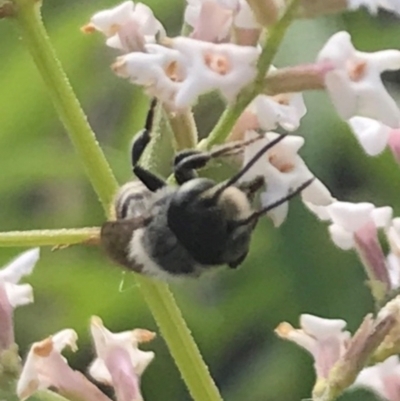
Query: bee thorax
132, 200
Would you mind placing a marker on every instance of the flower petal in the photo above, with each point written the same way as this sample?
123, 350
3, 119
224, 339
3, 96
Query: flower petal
350, 216
320, 211
276, 110
245, 17
21, 266
18, 294
341, 238
320, 327
382, 216
213, 22
372, 135
65, 338
378, 378
317, 194
107, 20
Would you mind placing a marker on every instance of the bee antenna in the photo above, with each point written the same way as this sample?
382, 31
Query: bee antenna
256, 215
248, 166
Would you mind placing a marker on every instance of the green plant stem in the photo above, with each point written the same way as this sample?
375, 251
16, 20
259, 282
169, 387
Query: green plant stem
178, 337
228, 119
160, 299
184, 129
275, 38
230, 116
68, 108
49, 237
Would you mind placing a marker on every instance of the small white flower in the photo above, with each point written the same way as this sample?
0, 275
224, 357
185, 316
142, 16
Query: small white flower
373, 5
160, 70
355, 225
226, 67
119, 361
127, 27
355, 84
45, 367
218, 17
285, 110
210, 21
110, 21
324, 339
284, 170
349, 218
383, 379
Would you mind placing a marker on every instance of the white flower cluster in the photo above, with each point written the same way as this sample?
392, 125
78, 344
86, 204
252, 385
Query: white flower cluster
119, 362
328, 341
177, 70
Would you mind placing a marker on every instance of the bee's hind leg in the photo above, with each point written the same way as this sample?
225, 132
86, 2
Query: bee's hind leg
142, 139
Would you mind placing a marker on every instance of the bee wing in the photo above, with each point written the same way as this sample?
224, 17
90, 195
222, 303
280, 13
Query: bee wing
115, 237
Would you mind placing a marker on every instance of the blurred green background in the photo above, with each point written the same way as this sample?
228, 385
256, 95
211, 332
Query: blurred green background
292, 270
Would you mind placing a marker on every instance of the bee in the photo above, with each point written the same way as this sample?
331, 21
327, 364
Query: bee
169, 231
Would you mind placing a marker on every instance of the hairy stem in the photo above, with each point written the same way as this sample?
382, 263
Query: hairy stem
230, 116
181, 344
184, 129
50, 237
160, 300
68, 108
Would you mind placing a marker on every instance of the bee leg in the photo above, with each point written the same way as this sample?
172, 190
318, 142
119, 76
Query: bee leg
142, 139
189, 160
150, 180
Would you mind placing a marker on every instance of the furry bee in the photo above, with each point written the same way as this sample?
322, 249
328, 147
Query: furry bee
170, 231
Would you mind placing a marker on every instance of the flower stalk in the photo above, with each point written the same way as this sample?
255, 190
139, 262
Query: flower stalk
296, 79
159, 298
184, 129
